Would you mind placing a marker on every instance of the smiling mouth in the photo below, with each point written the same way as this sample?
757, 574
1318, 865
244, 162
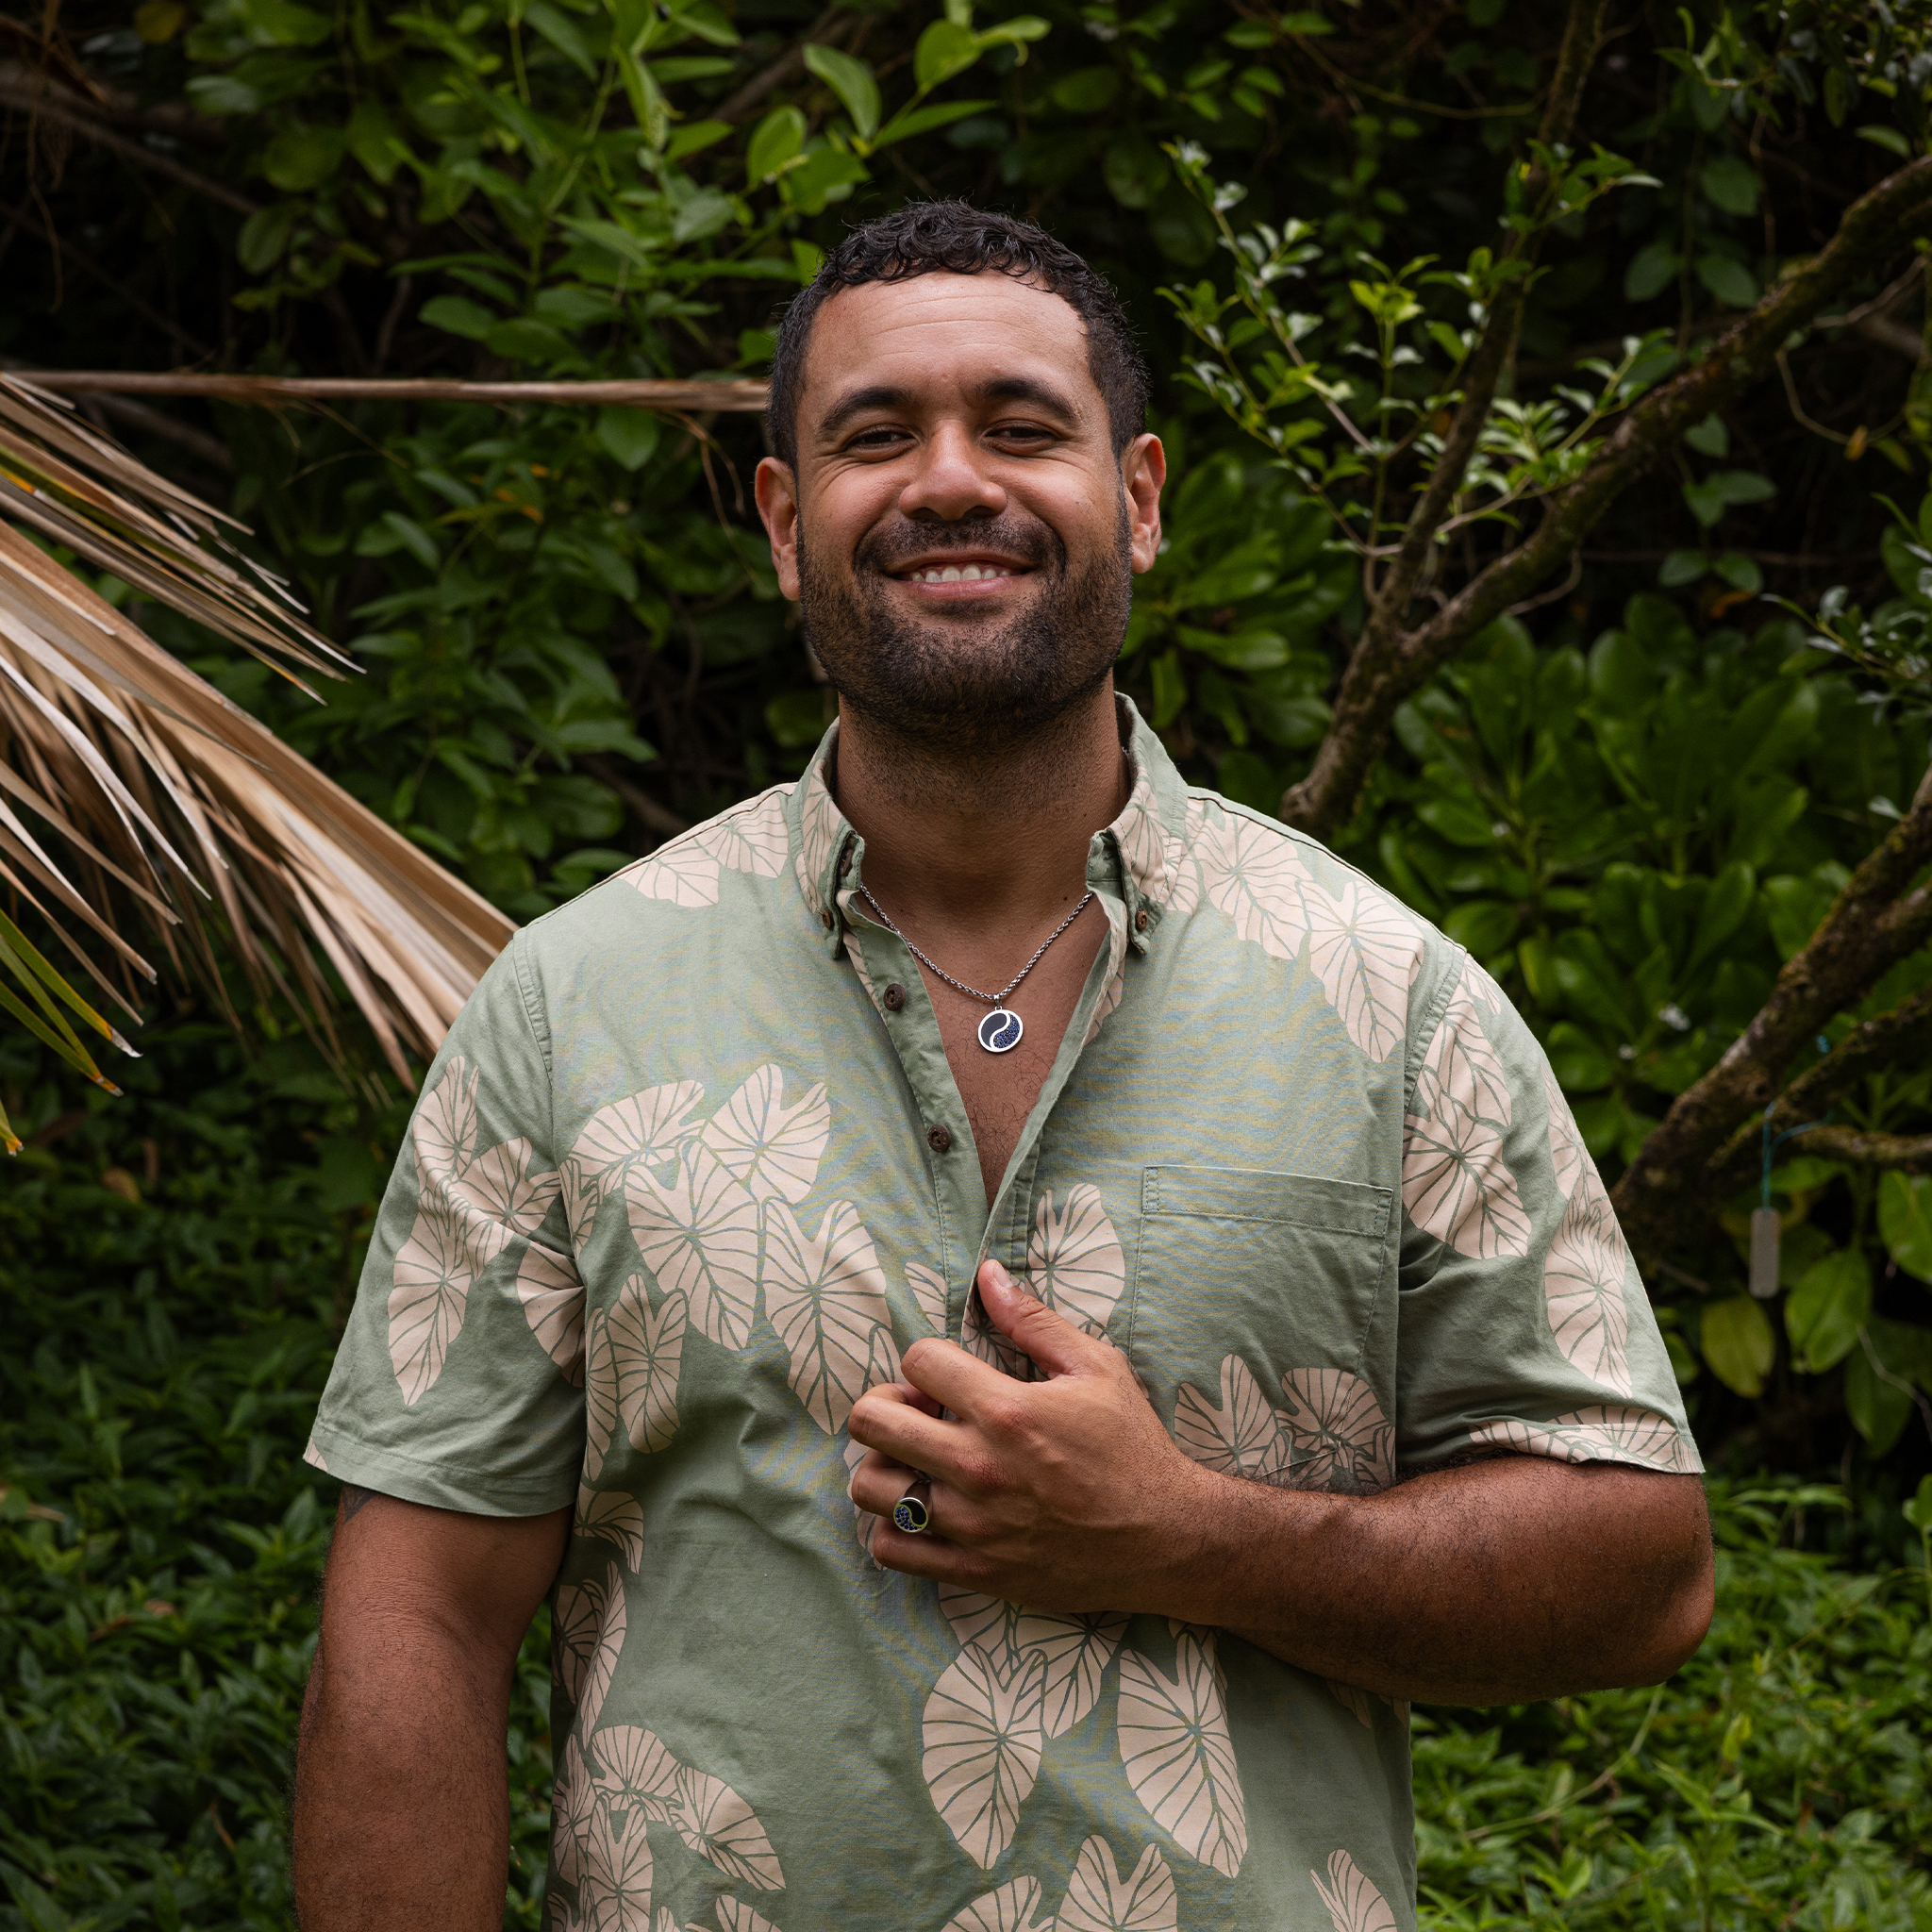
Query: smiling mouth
959, 573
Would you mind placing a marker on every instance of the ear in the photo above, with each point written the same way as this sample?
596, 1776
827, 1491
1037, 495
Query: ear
1144, 471
776, 490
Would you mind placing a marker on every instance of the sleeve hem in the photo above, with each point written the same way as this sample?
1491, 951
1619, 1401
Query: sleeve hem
439, 1485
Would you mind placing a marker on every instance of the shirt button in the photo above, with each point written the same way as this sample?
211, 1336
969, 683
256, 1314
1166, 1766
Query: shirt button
939, 1138
895, 997
826, 921
1141, 920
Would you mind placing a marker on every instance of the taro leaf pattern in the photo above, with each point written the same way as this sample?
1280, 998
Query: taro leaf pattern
754, 839
1178, 1757
1257, 878
770, 1150
1583, 1288
1142, 839
734, 1915
1457, 1187
590, 1628
928, 1288
1100, 1899
1116, 973
1615, 1432
682, 871
1075, 1650
1009, 1909
825, 1296
635, 1355
818, 819
1569, 1157
984, 1731
864, 1522
634, 1768
1461, 1067
617, 1515
617, 1872
699, 1236
647, 1127
1353, 1902
979, 1336
572, 1804
718, 1825
471, 1208
1365, 950
1352, 1700
1336, 1424
1074, 1259
434, 1269
552, 1299
1243, 1437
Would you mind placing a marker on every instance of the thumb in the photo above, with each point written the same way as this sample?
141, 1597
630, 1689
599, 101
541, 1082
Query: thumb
1051, 1340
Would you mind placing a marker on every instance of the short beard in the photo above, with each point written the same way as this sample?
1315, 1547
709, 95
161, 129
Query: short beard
945, 686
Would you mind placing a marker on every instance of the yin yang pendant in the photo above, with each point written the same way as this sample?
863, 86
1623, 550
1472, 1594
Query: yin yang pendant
1001, 1031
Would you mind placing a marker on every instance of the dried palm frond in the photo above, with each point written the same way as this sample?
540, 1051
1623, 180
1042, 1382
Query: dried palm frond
146, 792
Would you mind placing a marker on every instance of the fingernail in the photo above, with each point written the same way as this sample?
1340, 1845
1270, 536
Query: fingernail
1001, 1278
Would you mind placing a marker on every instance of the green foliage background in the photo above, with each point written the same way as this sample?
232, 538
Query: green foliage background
1632, 802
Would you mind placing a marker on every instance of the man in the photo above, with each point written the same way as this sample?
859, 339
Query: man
1021, 1311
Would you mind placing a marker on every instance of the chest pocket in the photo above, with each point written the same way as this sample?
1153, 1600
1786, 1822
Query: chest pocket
1283, 1270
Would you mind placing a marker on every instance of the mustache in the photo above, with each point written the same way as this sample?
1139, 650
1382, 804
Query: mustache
888, 550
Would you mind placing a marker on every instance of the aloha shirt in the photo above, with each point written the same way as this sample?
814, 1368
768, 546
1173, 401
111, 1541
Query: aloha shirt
691, 1172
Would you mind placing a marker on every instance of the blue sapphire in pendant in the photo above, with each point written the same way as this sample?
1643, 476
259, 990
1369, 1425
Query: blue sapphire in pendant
1000, 1031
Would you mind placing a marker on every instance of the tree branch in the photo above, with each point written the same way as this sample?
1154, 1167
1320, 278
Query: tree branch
1873, 229
1888, 1041
1907, 1153
1380, 639
1873, 924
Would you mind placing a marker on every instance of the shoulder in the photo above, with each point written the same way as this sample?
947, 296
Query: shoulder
1387, 972
750, 840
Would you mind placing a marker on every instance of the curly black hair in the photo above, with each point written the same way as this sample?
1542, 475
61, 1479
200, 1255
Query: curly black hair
954, 238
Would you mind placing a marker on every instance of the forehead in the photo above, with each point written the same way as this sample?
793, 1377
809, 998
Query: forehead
934, 335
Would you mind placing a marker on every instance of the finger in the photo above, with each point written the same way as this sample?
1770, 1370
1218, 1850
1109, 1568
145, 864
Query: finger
879, 1482
885, 1420
1051, 1340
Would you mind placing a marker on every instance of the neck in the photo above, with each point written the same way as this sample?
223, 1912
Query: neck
994, 837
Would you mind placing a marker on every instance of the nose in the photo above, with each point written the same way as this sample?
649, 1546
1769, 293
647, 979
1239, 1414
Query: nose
951, 481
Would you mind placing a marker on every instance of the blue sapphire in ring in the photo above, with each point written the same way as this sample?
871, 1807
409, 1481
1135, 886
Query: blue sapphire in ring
911, 1514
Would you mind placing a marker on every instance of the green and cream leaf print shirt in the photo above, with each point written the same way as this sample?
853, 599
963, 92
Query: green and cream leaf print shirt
688, 1174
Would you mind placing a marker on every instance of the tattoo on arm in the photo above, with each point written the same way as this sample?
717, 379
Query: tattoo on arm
355, 1499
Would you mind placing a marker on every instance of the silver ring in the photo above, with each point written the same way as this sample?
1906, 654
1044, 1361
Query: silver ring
913, 1513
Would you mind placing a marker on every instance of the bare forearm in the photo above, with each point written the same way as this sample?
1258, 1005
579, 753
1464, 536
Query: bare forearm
1496, 1583
402, 1806
401, 1809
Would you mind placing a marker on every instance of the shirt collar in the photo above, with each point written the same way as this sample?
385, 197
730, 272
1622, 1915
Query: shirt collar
1136, 854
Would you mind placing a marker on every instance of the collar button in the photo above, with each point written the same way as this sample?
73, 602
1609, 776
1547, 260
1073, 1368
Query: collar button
893, 997
1141, 920
939, 1140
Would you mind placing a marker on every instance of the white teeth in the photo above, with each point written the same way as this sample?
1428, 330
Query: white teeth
959, 574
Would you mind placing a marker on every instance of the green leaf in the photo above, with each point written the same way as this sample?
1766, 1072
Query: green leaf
1652, 271
527, 339
924, 120
1879, 1400
629, 435
1730, 184
706, 21
1741, 572
852, 81
1135, 169
1709, 438
944, 49
1169, 689
1905, 1221
797, 719
1483, 926
1728, 280
776, 142
693, 136
563, 34
1304, 23
1825, 1312
264, 234
1888, 138
1682, 567
301, 158
459, 316
1738, 1343
1087, 91
1918, 1510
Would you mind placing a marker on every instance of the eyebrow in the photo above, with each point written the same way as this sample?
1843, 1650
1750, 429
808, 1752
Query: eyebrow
1000, 388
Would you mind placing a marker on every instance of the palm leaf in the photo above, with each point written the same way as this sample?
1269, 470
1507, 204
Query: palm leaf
133, 792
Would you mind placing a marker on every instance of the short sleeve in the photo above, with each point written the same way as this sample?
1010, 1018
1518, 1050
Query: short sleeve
1523, 1322
459, 1379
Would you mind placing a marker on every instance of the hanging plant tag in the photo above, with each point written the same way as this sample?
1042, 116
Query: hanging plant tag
1764, 1234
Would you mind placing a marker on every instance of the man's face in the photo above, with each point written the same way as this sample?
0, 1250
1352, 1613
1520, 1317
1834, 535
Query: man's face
958, 532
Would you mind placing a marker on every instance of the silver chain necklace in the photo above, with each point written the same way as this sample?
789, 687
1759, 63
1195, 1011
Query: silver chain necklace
1002, 1029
